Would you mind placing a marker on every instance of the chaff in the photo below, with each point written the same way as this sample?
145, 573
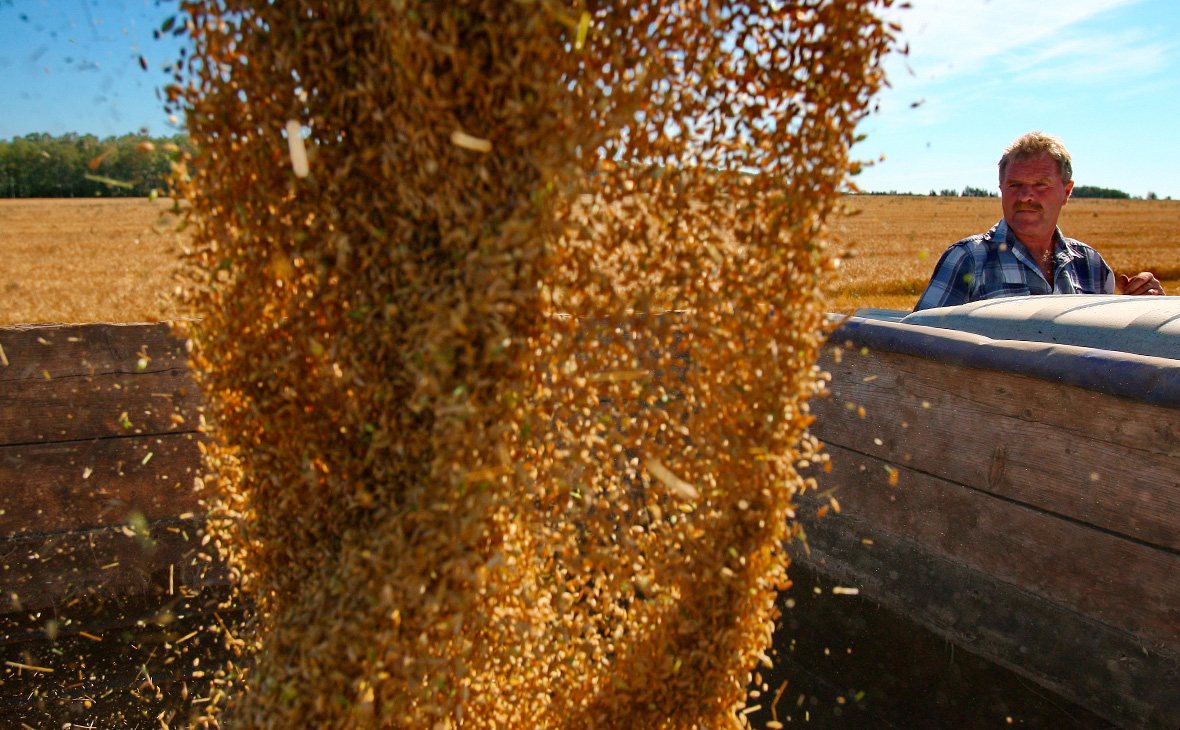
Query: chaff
437, 490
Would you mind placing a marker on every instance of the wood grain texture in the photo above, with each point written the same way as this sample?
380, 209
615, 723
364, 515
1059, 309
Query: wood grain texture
1099, 459
41, 571
1108, 671
1127, 585
52, 488
88, 407
34, 352
98, 433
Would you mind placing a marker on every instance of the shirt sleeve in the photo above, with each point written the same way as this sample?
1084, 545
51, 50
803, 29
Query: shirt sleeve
952, 280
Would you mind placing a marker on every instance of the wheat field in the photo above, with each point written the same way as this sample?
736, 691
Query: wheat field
890, 244
114, 260
87, 260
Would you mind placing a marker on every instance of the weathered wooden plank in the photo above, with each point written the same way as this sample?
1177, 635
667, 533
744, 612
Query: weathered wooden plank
53, 351
40, 571
1108, 671
87, 407
1126, 584
1100, 459
1140, 425
50, 488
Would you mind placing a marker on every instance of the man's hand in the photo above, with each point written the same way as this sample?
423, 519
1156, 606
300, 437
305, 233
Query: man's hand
1142, 283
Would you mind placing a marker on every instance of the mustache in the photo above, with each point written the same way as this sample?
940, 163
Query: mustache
1028, 206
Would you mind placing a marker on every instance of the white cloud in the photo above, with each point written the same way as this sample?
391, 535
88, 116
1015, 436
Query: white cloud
964, 53
1105, 74
951, 37
1095, 58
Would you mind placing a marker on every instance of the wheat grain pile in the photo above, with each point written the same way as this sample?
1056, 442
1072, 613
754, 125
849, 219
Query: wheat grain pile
508, 322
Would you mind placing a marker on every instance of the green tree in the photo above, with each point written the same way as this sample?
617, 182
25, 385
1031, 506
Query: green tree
1093, 191
43, 166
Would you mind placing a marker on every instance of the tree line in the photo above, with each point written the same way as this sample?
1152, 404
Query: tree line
41, 165
83, 166
967, 192
1079, 191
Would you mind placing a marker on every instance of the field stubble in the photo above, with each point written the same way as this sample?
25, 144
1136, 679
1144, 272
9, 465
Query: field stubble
70, 260
893, 242
87, 260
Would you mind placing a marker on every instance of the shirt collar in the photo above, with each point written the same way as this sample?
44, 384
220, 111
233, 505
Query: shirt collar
1063, 249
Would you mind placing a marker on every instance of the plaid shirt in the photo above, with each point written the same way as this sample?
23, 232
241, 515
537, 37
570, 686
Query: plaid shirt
996, 264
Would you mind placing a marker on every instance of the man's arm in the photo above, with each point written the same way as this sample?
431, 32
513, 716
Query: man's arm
952, 280
1143, 283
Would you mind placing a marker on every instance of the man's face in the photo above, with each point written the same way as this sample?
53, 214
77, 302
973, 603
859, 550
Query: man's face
1033, 195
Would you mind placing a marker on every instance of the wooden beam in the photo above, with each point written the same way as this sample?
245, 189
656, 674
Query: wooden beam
1108, 671
1099, 459
1125, 584
51, 488
88, 407
34, 352
40, 571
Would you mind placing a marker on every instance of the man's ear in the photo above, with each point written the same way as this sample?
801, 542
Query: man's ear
1068, 191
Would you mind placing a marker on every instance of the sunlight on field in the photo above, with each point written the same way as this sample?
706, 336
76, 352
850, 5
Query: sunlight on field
893, 242
87, 260
71, 260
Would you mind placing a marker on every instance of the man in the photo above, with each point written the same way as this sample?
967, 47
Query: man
1025, 252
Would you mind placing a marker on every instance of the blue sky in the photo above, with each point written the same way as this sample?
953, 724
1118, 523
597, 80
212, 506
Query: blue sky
1102, 74
73, 66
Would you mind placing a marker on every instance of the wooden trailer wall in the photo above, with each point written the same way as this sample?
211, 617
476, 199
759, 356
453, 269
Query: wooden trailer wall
98, 442
101, 571
1030, 521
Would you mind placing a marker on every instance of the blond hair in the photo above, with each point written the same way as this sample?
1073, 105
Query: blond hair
1038, 144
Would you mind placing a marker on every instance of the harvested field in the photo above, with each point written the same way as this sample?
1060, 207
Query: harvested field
91, 260
72, 260
895, 241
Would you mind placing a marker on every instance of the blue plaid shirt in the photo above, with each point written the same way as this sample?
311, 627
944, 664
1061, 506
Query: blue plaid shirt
996, 264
